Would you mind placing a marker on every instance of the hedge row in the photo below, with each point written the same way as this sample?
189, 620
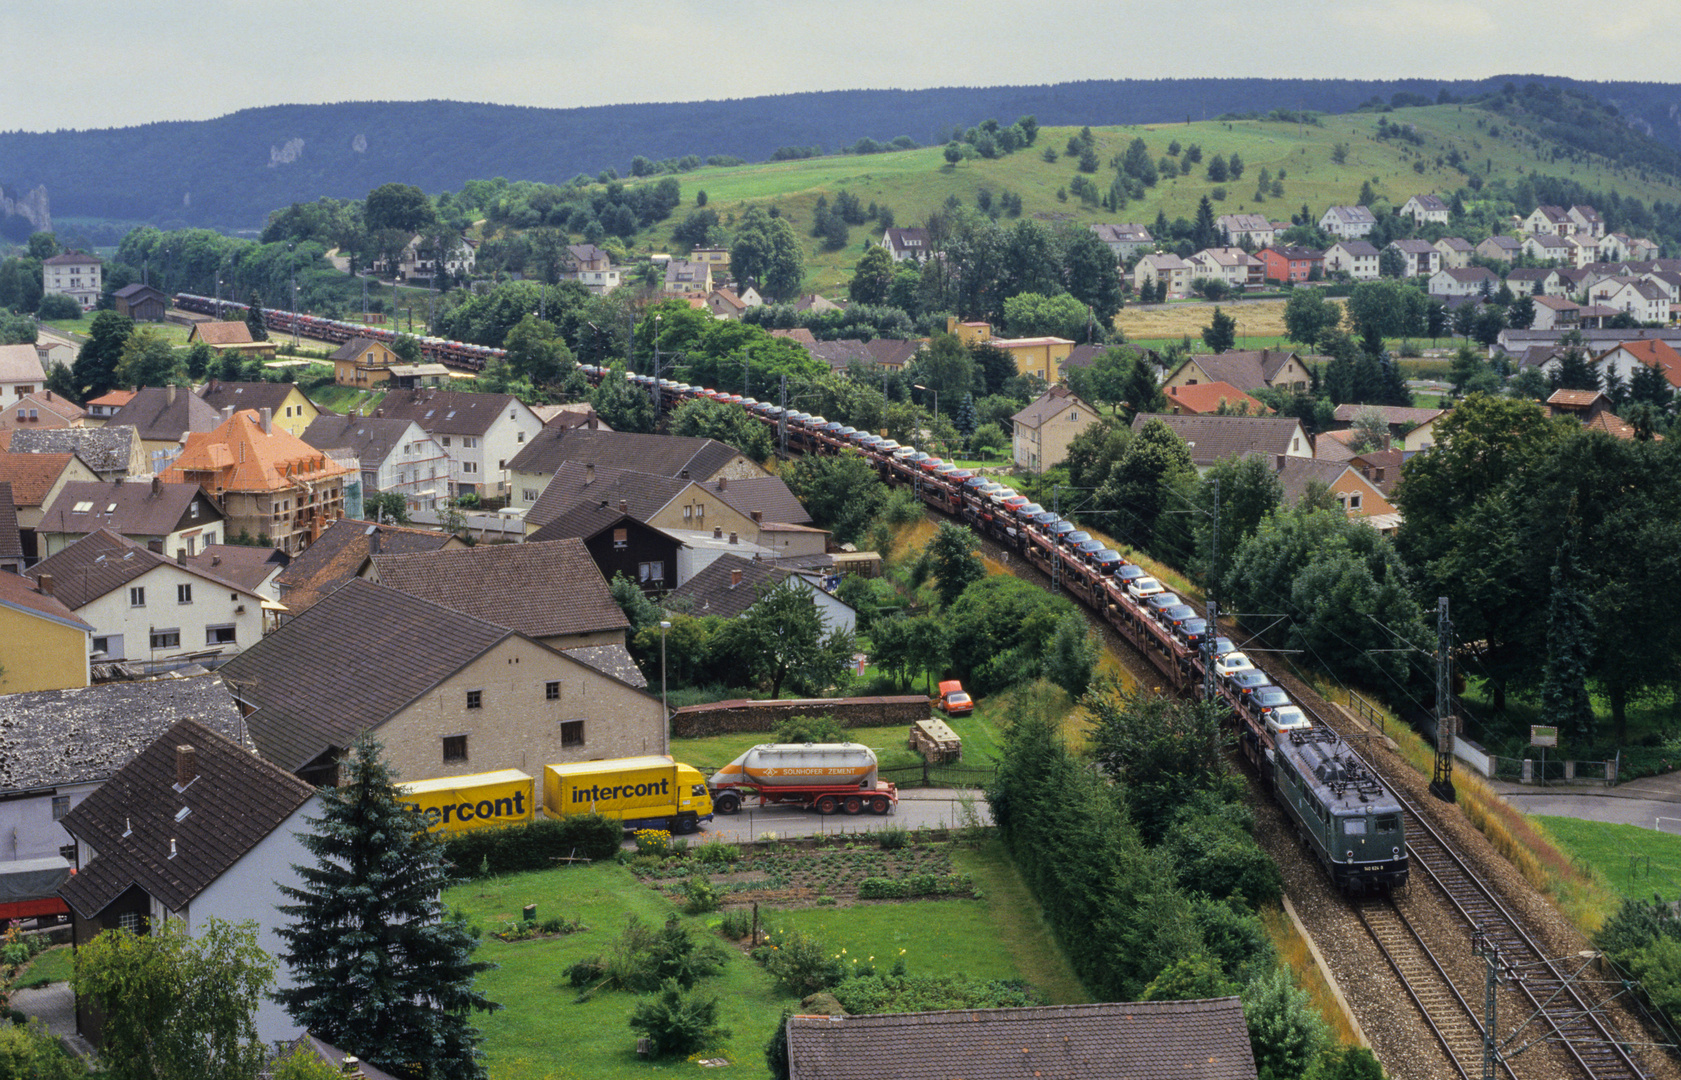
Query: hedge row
537, 845
907, 888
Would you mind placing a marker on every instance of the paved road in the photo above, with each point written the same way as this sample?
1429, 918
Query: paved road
1638, 802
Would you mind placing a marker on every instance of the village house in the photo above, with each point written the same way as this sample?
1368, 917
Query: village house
61, 745
20, 371
1555, 313
1247, 370
682, 457
393, 455
1625, 357
1500, 249
165, 416
269, 483
148, 608
105, 406
1294, 264
619, 544
1456, 252
1125, 240
177, 518
1613, 247
1422, 258
252, 568
685, 277
1467, 281
1042, 431
142, 303
1348, 222
1532, 281
1587, 221
1548, 248
34, 481
76, 274
1410, 430
1163, 266
667, 503
12, 556
293, 412
907, 244
1646, 302
342, 553
1255, 228
1152, 1040
363, 363
480, 433
445, 692
1041, 356
1214, 438
1426, 208
1356, 258
231, 337
43, 645
1231, 265
112, 452
1357, 495
1209, 398
53, 351
730, 585
41, 410
1548, 221
194, 828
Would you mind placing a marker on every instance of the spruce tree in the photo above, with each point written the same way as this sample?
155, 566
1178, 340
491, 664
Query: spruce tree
1564, 685
381, 970
966, 419
254, 318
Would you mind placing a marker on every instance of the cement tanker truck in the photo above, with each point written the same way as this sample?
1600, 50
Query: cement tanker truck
826, 777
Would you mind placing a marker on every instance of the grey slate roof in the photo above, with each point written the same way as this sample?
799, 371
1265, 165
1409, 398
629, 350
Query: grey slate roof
79, 736
348, 664
1298, 473
158, 419
102, 561
106, 450
134, 823
132, 509
242, 564
246, 395
353, 348
713, 591
370, 438
1153, 1040
447, 412
643, 493
1212, 438
1246, 369
540, 589
662, 455
337, 556
1049, 404
769, 495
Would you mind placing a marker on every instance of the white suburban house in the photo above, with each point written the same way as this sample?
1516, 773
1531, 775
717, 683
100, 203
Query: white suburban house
1356, 258
1351, 222
395, 455
74, 273
21, 373
1423, 208
479, 433
1125, 240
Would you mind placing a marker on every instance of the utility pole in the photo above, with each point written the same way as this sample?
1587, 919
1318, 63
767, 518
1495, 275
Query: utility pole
1441, 783
1056, 545
782, 419
746, 378
1490, 953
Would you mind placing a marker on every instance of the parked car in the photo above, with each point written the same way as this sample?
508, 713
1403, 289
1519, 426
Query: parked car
1232, 663
1142, 587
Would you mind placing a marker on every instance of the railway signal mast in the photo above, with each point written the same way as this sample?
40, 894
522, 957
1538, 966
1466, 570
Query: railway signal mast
1441, 783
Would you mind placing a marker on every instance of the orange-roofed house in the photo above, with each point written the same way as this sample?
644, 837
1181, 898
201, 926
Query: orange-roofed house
269, 482
105, 406
1648, 352
1205, 399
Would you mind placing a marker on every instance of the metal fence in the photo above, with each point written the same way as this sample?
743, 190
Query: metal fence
949, 774
1553, 770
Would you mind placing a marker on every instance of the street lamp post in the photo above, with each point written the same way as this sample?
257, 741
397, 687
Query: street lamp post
665, 709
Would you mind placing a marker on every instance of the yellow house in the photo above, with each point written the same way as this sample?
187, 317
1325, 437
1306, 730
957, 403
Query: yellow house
1043, 430
363, 362
43, 646
1041, 356
291, 411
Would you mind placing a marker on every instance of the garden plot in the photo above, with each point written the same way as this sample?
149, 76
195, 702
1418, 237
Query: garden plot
807, 877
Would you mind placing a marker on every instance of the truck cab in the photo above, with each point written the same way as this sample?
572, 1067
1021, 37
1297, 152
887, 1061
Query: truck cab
954, 701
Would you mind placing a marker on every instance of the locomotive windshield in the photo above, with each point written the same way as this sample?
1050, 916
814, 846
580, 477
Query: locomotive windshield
1354, 826
1388, 822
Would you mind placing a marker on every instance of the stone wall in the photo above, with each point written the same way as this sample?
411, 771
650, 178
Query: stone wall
725, 717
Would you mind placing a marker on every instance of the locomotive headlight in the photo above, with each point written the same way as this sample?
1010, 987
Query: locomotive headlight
1349, 855
1395, 851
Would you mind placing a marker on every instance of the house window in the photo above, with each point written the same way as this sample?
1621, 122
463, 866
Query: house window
652, 572
111, 645
184, 593
528, 494
130, 921
1354, 501
688, 513
220, 635
475, 699
621, 538
551, 691
519, 436
455, 748
167, 639
137, 596
571, 733
469, 466
61, 806
446, 440
469, 442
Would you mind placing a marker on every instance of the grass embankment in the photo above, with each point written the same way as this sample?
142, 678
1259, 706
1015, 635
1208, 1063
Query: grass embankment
1632, 861
1293, 951
999, 935
341, 399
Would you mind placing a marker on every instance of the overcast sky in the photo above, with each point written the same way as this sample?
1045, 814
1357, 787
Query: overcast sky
96, 63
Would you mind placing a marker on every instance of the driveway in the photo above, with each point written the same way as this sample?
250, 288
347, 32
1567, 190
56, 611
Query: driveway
1639, 802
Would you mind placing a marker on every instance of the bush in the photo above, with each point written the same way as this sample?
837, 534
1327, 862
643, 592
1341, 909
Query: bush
59, 306
716, 853
677, 1022
736, 924
931, 993
1216, 857
702, 896
913, 886
31, 1053
643, 959
799, 962
812, 729
1285, 1032
533, 846
893, 837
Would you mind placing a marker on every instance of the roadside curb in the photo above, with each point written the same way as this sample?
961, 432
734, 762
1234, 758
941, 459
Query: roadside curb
1325, 973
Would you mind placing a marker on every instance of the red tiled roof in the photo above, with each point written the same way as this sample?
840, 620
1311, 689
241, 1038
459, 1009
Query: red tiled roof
1198, 399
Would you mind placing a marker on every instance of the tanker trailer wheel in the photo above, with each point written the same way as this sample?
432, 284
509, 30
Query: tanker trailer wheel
854, 805
827, 804
727, 804
880, 805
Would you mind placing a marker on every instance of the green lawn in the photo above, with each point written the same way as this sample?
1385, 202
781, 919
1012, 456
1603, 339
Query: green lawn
53, 965
342, 399
1635, 861
542, 1034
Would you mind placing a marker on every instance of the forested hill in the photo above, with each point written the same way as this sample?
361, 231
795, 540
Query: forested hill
228, 173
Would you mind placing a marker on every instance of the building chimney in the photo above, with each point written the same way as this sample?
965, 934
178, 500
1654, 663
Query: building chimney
758, 517
732, 538
589, 473
227, 412
186, 765
374, 541
723, 482
684, 475
350, 1067
1280, 465
180, 556
215, 560
267, 416
157, 486
735, 578
717, 532
624, 507
169, 394
45, 584
594, 423
378, 413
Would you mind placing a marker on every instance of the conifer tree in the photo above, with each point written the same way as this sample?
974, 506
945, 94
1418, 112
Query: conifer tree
381, 970
1564, 685
966, 419
254, 318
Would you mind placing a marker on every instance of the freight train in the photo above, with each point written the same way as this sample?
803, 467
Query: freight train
1348, 819
460, 355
